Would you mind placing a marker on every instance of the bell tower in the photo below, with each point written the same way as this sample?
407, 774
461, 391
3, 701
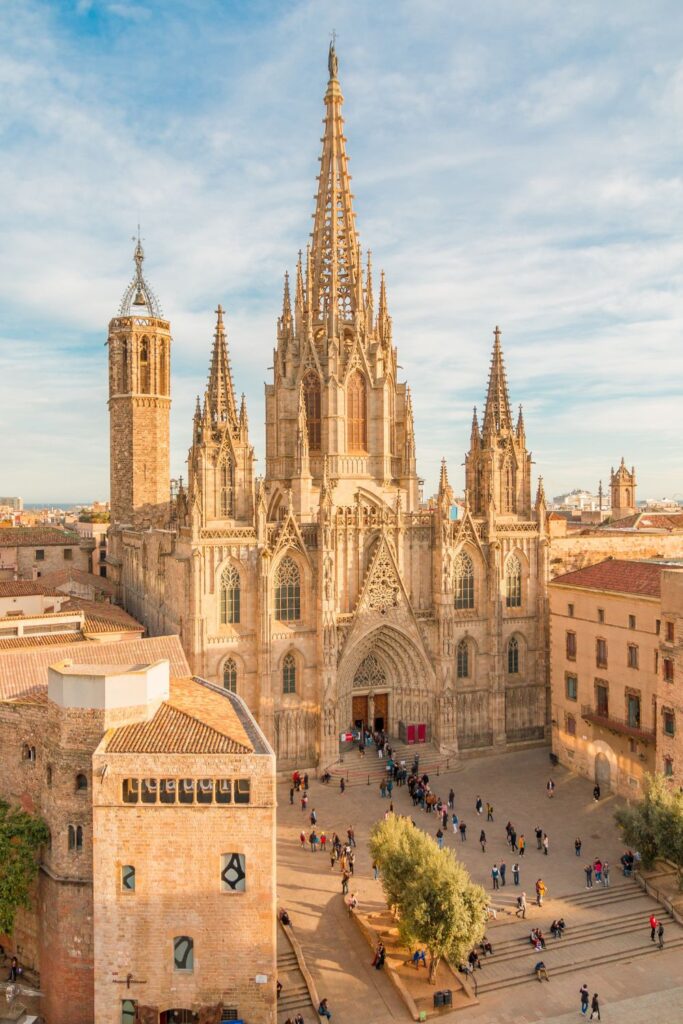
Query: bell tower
139, 405
623, 491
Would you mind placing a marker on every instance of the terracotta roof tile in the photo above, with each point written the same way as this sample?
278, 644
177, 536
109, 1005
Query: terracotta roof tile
62, 576
618, 576
28, 588
24, 671
36, 536
11, 643
668, 521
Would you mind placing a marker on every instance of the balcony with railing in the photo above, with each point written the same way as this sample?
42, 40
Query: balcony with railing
631, 726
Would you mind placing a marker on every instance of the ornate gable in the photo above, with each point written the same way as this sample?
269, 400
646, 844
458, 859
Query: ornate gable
289, 536
382, 589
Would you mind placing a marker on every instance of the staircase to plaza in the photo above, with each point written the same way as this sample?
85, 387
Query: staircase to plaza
295, 996
603, 926
364, 771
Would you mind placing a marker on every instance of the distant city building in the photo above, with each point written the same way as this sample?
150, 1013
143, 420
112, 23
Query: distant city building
27, 552
578, 500
13, 504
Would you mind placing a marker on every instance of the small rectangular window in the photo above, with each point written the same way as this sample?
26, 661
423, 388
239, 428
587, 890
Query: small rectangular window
571, 687
131, 791
669, 723
242, 791
571, 646
223, 791
631, 622
602, 700
668, 766
658, 626
128, 878
148, 791
601, 614
68, 554
40, 555
656, 661
167, 791
601, 653
570, 611
233, 872
186, 791
570, 723
205, 791
669, 632
633, 710
632, 656
668, 668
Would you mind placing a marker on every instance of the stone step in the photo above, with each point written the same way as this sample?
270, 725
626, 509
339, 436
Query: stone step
603, 929
579, 965
287, 959
601, 896
582, 901
294, 1002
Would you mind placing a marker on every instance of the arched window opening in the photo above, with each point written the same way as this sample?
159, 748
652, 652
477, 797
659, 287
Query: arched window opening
230, 675
162, 388
462, 660
28, 753
75, 837
513, 656
513, 583
509, 488
123, 367
312, 403
144, 366
287, 591
356, 413
464, 581
226, 483
289, 674
81, 782
230, 596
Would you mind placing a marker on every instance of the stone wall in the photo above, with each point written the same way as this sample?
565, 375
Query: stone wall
574, 552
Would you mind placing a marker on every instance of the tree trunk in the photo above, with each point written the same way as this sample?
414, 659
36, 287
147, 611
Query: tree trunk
434, 962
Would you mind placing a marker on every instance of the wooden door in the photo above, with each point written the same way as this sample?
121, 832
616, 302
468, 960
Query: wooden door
359, 711
382, 711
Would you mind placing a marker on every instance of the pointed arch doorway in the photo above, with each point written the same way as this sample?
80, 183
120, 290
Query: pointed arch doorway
370, 701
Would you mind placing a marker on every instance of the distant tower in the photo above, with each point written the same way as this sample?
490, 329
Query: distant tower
139, 404
623, 489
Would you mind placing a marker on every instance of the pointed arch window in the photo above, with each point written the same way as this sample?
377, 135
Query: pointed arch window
508, 487
162, 387
144, 366
230, 675
464, 581
226, 483
287, 591
289, 674
123, 367
462, 660
356, 413
230, 596
513, 583
513, 656
312, 403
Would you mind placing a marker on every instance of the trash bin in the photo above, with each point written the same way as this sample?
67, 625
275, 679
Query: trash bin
438, 999
447, 997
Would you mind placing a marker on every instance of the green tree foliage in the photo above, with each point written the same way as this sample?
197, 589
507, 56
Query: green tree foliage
438, 905
654, 826
21, 836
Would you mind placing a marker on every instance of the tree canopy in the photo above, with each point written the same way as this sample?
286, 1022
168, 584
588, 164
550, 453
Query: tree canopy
654, 825
21, 836
438, 905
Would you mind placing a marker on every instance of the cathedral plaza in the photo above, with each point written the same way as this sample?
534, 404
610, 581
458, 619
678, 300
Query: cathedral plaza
607, 939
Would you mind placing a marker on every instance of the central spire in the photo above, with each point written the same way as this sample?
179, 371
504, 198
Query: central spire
220, 392
334, 249
497, 415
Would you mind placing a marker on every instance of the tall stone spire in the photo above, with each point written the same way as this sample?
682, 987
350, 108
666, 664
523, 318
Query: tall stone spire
497, 415
336, 270
220, 392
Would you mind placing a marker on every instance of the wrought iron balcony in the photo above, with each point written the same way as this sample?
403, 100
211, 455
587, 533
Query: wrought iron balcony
604, 718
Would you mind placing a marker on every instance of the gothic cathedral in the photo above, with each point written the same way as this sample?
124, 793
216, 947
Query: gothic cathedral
325, 593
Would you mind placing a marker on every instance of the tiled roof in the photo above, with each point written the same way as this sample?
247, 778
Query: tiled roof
102, 617
618, 576
11, 643
62, 576
28, 588
36, 536
668, 521
24, 671
195, 720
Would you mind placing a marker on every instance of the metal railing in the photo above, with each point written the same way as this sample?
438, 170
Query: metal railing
604, 718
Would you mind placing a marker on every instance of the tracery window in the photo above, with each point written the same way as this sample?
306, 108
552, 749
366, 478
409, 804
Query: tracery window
230, 675
144, 366
289, 674
370, 674
287, 591
312, 404
356, 413
513, 655
162, 389
226, 483
513, 583
464, 581
230, 596
462, 660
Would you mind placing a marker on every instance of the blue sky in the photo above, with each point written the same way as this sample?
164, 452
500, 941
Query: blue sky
513, 162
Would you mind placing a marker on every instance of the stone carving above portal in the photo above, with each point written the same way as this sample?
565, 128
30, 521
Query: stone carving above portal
383, 586
370, 674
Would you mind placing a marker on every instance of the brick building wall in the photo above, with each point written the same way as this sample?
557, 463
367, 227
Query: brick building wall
670, 700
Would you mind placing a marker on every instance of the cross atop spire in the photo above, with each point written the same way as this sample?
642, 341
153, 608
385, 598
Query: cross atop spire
336, 270
220, 392
138, 294
497, 415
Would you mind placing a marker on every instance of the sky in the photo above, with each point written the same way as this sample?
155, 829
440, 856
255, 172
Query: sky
517, 163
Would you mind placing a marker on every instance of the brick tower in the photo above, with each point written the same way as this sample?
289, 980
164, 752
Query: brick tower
139, 405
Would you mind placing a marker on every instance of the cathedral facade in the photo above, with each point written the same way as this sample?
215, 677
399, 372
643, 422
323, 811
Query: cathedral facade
325, 593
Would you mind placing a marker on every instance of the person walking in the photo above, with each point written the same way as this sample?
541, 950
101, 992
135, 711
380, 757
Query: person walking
302, 840
546, 843
314, 817
351, 836
550, 788
495, 875
522, 845
454, 822
521, 906
597, 869
540, 891
479, 805
515, 873
304, 801
439, 838
323, 842
375, 870
451, 799
502, 868
345, 882
342, 785
596, 792
463, 831
584, 995
489, 812
653, 927
595, 1007
589, 876
539, 836
577, 846
660, 935
291, 794
513, 840
605, 874
482, 840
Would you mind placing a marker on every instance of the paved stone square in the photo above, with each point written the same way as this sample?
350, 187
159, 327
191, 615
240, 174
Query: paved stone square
609, 925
